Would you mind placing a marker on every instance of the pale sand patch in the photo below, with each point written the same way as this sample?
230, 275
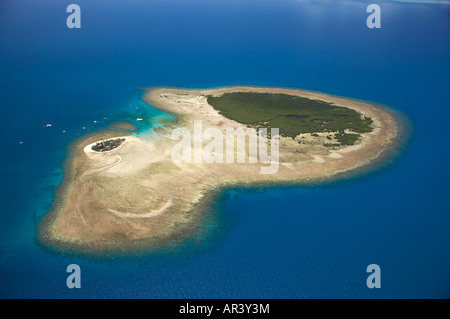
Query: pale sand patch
288, 165
153, 213
318, 159
335, 155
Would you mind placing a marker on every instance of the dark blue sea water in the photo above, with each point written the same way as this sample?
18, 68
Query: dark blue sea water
292, 242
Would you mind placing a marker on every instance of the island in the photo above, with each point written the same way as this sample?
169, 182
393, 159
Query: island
108, 145
137, 196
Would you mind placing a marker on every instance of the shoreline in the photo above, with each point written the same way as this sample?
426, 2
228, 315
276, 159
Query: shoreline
49, 238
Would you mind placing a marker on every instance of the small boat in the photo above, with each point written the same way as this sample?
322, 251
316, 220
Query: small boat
20, 142
139, 119
47, 125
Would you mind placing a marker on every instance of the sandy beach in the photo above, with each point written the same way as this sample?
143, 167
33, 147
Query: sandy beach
136, 196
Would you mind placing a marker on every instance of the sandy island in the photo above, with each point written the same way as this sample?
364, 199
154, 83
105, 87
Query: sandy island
136, 196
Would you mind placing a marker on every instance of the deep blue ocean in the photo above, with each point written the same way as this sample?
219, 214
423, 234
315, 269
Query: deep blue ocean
287, 242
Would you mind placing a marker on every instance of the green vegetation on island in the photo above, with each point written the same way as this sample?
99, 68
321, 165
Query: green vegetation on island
347, 139
293, 115
331, 145
107, 145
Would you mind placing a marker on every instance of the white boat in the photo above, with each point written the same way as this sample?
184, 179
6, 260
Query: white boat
139, 119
